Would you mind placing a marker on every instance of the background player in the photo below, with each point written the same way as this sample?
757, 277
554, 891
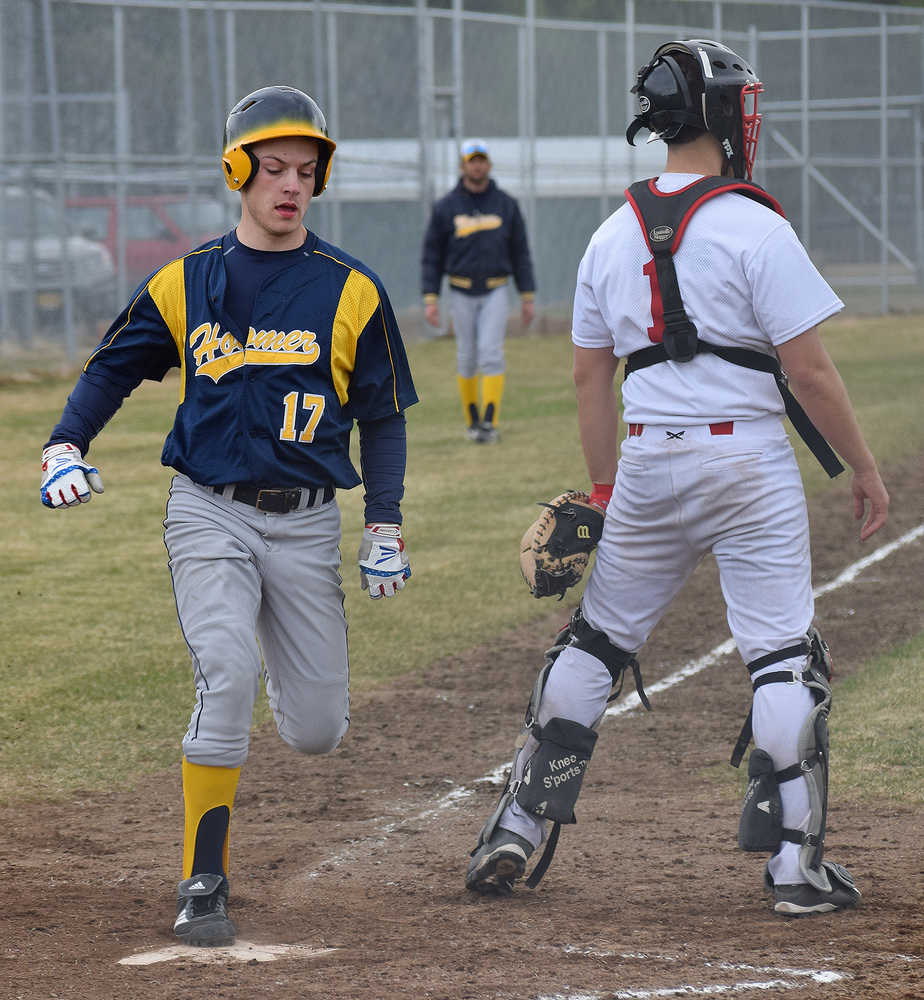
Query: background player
706, 466
476, 235
282, 342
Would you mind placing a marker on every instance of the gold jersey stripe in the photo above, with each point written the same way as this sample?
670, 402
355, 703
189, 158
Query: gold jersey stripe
358, 301
177, 331
168, 291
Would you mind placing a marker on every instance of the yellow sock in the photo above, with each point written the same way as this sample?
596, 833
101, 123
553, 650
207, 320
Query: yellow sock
208, 795
468, 391
492, 389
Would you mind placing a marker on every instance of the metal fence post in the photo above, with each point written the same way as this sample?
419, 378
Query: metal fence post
602, 116
630, 73
424, 104
28, 82
528, 82
122, 150
805, 129
919, 195
335, 205
884, 160
54, 121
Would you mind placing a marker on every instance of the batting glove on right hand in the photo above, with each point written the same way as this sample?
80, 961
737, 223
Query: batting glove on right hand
383, 563
66, 477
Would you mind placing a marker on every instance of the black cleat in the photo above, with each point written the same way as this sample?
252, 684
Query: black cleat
202, 912
803, 900
497, 864
489, 433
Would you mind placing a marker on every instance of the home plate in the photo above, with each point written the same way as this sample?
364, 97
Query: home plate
241, 951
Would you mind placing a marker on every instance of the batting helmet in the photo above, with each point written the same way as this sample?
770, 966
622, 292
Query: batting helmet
717, 94
273, 113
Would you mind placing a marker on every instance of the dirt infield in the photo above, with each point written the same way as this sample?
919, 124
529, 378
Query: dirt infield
363, 852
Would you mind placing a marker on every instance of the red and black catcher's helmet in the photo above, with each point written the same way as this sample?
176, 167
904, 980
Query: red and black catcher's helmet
273, 113
717, 94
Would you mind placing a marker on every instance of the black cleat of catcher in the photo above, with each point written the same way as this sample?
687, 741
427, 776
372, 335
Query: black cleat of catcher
498, 863
202, 912
803, 900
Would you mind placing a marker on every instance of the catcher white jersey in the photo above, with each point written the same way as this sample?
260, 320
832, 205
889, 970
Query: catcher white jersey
746, 281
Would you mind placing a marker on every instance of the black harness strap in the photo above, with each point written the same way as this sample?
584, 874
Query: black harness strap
615, 660
790, 774
663, 218
543, 863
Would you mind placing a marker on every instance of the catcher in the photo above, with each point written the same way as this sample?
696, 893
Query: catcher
701, 284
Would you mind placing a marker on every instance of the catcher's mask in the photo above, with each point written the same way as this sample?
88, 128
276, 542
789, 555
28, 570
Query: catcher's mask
273, 113
723, 103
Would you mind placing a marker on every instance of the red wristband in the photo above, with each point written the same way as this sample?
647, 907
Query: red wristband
600, 496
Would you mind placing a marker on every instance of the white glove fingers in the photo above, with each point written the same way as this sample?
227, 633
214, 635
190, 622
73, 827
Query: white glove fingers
80, 488
75, 489
95, 480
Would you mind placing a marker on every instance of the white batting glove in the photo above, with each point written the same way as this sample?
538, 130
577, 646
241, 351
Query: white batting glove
383, 563
66, 477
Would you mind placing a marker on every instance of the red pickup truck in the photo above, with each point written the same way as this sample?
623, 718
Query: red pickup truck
156, 228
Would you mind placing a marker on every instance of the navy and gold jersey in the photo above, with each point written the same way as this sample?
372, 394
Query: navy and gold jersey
275, 403
479, 240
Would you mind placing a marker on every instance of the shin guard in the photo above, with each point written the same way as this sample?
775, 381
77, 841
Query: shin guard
756, 832
813, 764
532, 710
553, 775
761, 825
549, 782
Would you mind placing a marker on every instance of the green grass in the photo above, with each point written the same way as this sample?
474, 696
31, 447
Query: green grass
876, 733
877, 741
95, 675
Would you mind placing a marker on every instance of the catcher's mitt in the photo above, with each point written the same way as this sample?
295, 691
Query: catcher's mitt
556, 548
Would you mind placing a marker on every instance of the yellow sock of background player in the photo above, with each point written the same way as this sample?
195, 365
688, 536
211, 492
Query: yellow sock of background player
208, 795
492, 389
468, 391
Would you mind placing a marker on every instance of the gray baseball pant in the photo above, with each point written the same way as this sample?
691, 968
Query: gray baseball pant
480, 324
258, 592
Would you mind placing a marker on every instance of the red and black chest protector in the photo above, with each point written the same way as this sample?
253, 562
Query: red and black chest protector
664, 218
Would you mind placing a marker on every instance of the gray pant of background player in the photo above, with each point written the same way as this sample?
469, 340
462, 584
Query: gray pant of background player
479, 323
258, 592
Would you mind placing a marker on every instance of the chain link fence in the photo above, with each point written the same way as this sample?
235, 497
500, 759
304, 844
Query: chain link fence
111, 115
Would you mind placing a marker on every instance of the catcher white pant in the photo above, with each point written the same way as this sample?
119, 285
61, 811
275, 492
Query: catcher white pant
479, 323
680, 493
254, 588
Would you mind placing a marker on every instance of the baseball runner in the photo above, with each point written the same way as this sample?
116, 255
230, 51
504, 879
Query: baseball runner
477, 237
701, 284
282, 341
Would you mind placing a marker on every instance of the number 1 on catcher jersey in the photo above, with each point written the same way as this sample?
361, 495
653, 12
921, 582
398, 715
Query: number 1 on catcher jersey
656, 330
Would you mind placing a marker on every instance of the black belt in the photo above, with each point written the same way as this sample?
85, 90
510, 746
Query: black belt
278, 501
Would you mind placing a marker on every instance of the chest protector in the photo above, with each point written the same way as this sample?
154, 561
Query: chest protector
664, 219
